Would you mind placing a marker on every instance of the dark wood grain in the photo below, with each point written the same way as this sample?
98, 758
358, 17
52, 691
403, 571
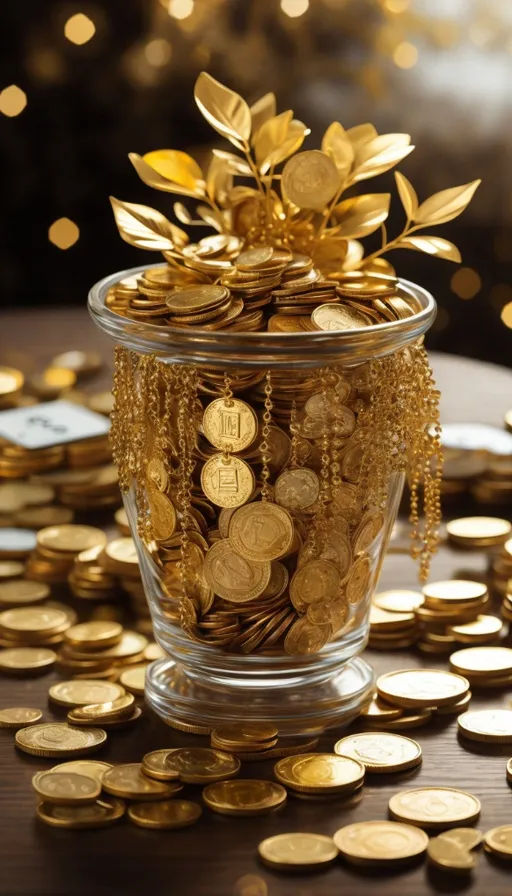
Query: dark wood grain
214, 857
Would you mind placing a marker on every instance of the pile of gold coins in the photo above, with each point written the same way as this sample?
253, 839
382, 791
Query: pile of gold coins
478, 463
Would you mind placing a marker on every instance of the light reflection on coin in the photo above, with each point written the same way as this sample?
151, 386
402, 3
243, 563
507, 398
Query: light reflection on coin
380, 842
66, 788
435, 807
380, 752
244, 797
298, 851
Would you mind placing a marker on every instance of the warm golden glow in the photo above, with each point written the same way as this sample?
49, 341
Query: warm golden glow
405, 55
294, 8
506, 315
63, 233
158, 52
465, 283
79, 29
397, 5
12, 100
181, 9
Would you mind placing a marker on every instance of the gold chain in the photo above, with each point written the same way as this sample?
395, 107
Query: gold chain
264, 445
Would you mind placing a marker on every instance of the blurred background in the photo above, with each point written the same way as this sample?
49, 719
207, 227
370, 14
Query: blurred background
84, 83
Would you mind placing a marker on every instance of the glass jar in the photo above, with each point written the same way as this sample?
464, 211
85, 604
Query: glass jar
244, 671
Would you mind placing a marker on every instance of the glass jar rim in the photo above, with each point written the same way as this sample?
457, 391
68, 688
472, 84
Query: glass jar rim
228, 349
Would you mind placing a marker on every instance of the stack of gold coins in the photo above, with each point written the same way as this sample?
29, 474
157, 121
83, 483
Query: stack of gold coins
18, 463
87, 656
500, 572
204, 305
88, 452
57, 547
376, 296
495, 485
97, 491
449, 605
251, 737
89, 579
484, 667
36, 626
119, 559
478, 532
421, 691
320, 775
392, 630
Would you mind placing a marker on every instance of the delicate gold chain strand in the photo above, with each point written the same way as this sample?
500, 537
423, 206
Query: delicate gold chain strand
265, 432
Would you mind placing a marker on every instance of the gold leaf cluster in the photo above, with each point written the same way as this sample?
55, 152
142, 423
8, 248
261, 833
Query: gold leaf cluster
301, 205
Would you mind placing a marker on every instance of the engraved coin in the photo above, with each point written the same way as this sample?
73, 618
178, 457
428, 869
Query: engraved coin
380, 751
227, 481
233, 577
230, 424
66, 788
157, 474
305, 637
163, 515
244, 797
339, 317
92, 768
82, 693
297, 489
367, 531
358, 580
488, 725
434, 807
316, 581
202, 765
261, 531
97, 633
298, 851
129, 782
254, 258
20, 592
380, 842
17, 717
481, 662
310, 179
167, 815
32, 660
100, 814
421, 687
320, 773
499, 841
155, 765
59, 739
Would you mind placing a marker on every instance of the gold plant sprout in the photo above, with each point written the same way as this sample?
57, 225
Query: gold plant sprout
301, 206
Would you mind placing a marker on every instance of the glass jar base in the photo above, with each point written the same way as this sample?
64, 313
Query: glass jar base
186, 700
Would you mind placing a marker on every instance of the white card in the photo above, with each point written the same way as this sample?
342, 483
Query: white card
51, 423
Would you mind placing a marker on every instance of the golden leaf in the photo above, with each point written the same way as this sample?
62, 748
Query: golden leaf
182, 213
446, 205
224, 109
219, 180
175, 165
380, 154
355, 252
279, 139
235, 164
271, 135
154, 179
361, 215
240, 194
146, 228
210, 217
337, 145
407, 194
432, 245
261, 111
360, 134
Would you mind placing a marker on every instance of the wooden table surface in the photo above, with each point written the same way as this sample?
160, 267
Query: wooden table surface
217, 857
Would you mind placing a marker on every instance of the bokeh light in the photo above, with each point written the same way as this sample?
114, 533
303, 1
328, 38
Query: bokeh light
12, 100
506, 315
79, 29
181, 9
158, 52
63, 233
405, 55
294, 8
465, 283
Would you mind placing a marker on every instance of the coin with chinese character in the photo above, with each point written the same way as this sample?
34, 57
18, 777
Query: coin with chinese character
228, 481
261, 531
230, 424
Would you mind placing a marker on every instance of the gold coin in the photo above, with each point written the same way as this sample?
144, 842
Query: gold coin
254, 258
422, 687
232, 577
100, 814
367, 531
298, 851
455, 591
339, 317
163, 515
297, 489
320, 773
129, 782
261, 531
230, 424
379, 711
403, 722
153, 652
66, 788
478, 531
380, 842
155, 765
92, 768
36, 517
315, 582
156, 474
202, 765
59, 739
100, 712
97, 633
499, 841
246, 733
244, 797
305, 637
131, 645
71, 538
11, 380
449, 856
358, 580
134, 680
196, 298
75, 718
121, 557
16, 660
20, 592
17, 717
167, 815
310, 179
27, 621
434, 807
482, 662
465, 838
488, 725
227, 481
483, 628
380, 751
397, 601
83, 693
384, 623
11, 569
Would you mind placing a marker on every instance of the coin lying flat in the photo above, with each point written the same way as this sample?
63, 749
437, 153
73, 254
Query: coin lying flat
250, 733
397, 601
453, 592
487, 725
66, 788
36, 621
20, 592
499, 841
92, 768
100, 814
58, 739
96, 633
155, 765
109, 723
380, 751
481, 662
244, 797
84, 693
167, 815
380, 842
434, 807
422, 687
202, 765
134, 679
320, 773
378, 711
17, 717
129, 782
478, 531
101, 712
483, 628
449, 856
467, 838
454, 708
298, 851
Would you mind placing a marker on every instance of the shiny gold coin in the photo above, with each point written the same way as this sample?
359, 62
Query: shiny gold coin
232, 577
499, 841
320, 773
482, 662
108, 722
92, 768
227, 481
487, 725
261, 531
162, 514
316, 582
100, 814
121, 557
483, 628
398, 601
155, 765
465, 838
17, 717
379, 711
66, 788
380, 842
298, 851
412, 719
11, 569
196, 298
230, 424
156, 473
254, 258
100, 712
129, 782
71, 538
153, 652
131, 645
32, 660
202, 765
297, 488
453, 592
449, 856
20, 592
58, 739
421, 687
246, 733
367, 531
83, 693
310, 179
434, 807
134, 680
380, 751
244, 797
334, 317
97, 633
358, 580
165, 816
305, 637
37, 621
478, 531
388, 624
